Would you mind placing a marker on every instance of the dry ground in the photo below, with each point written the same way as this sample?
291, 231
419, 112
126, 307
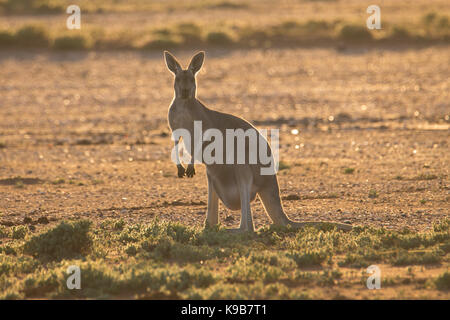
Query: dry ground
90, 134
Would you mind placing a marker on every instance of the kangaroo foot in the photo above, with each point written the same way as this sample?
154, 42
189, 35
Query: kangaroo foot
181, 171
210, 226
190, 171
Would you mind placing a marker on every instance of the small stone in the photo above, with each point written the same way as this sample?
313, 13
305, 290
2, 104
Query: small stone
292, 197
43, 220
27, 220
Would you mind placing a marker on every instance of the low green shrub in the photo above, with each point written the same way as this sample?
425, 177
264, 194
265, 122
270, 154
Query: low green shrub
65, 241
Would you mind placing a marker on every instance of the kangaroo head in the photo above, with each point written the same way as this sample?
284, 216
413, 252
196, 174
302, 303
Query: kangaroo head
185, 86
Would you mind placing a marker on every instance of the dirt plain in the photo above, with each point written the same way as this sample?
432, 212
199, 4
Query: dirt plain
86, 135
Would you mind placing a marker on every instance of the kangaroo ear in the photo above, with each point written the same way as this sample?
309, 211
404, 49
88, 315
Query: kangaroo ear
197, 62
171, 62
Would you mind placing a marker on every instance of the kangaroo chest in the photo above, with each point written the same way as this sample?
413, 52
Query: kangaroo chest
182, 115
179, 117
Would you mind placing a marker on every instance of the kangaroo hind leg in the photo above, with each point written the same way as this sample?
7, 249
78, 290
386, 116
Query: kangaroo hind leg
270, 198
212, 213
244, 179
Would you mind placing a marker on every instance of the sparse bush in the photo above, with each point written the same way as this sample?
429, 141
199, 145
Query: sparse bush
349, 170
429, 18
59, 181
131, 250
165, 248
443, 226
119, 224
309, 258
218, 38
405, 258
373, 194
71, 43
6, 39
8, 249
443, 281
256, 267
3, 232
65, 241
283, 165
40, 284
33, 6
32, 36
190, 33
361, 259
98, 280
352, 32
228, 5
19, 232
399, 33
426, 176
17, 265
161, 43
175, 231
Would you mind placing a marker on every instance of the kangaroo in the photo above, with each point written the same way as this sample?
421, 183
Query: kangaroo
236, 185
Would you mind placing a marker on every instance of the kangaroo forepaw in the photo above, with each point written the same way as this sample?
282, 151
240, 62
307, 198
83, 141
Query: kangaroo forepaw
181, 171
190, 171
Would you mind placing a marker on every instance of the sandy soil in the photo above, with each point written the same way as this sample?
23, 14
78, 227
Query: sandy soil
87, 133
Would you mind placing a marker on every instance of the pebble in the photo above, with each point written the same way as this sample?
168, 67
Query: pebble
42, 220
27, 220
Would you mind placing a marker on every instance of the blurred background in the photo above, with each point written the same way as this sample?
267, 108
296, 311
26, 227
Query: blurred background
140, 24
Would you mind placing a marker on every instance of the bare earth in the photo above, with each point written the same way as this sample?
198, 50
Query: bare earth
87, 134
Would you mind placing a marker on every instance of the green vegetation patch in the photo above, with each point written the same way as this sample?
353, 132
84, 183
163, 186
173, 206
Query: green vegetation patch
168, 260
65, 241
430, 28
